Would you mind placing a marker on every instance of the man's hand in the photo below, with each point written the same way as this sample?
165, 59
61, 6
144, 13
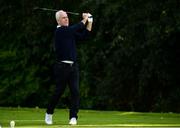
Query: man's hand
85, 17
90, 18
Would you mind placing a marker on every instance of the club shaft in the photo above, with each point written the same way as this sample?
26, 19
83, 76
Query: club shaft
47, 9
73, 13
54, 10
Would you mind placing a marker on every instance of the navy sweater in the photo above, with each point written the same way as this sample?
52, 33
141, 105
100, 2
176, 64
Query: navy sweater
66, 38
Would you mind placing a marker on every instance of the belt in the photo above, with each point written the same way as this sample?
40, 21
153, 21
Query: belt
68, 64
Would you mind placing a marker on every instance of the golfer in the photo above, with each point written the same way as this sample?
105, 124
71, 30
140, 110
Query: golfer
66, 67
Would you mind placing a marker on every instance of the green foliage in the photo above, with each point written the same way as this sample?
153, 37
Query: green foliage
136, 55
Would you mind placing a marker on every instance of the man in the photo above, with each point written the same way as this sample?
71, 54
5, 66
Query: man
66, 68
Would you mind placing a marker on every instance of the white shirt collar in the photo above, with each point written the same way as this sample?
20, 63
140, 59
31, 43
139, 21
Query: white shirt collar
58, 26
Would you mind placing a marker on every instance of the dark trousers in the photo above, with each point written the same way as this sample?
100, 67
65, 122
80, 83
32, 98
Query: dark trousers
66, 74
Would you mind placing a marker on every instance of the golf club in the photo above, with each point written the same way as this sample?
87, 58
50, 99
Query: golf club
54, 10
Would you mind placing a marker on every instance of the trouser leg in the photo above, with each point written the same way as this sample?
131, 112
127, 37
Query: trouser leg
60, 76
74, 90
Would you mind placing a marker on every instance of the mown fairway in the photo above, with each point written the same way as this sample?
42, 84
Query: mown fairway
34, 118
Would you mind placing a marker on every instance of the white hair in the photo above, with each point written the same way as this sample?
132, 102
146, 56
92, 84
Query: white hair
58, 14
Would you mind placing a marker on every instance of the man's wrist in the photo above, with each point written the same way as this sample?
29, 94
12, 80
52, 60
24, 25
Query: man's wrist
84, 21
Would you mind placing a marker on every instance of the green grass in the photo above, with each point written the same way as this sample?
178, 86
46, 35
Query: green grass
34, 118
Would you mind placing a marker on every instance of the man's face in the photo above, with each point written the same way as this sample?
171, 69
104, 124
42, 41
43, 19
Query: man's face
64, 20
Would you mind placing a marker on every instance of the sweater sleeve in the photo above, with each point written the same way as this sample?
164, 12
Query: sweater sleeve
80, 31
77, 27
